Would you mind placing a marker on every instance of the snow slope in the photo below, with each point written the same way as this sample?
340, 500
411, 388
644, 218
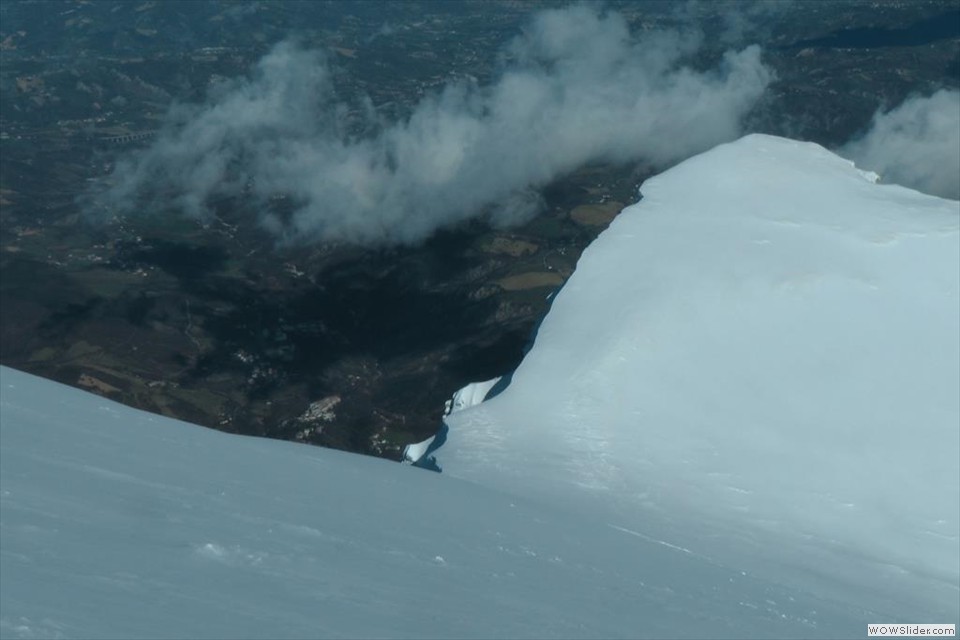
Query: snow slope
115, 523
759, 362
738, 420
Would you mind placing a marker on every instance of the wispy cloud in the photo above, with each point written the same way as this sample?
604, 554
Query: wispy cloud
577, 86
917, 144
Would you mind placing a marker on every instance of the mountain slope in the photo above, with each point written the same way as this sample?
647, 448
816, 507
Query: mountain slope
759, 362
738, 420
120, 524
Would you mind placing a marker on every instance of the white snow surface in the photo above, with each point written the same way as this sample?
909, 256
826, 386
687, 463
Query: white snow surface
739, 419
115, 523
471, 395
759, 363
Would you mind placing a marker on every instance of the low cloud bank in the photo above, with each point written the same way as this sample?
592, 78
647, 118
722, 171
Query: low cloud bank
916, 145
578, 87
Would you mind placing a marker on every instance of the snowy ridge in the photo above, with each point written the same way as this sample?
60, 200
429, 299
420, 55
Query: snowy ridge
739, 419
759, 363
120, 524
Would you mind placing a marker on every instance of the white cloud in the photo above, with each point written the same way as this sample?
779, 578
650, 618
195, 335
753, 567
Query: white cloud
577, 87
916, 144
